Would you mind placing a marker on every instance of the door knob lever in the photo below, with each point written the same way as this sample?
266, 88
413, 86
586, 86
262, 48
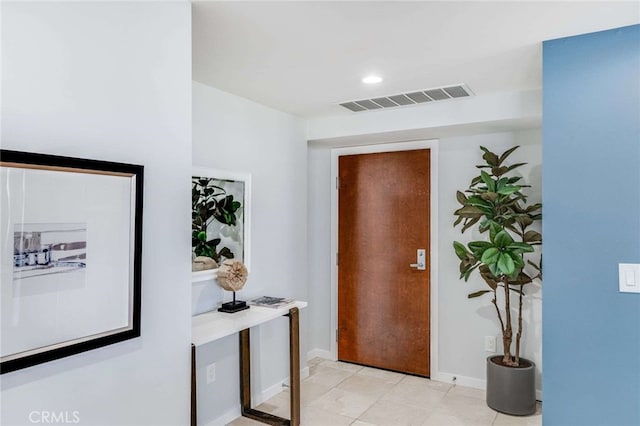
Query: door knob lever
421, 260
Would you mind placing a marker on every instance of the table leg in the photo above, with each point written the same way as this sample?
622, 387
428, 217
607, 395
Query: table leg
245, 377
245, 386
245, 370
294, 365
194, 411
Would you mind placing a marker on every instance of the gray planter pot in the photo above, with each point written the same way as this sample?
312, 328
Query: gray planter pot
511, 390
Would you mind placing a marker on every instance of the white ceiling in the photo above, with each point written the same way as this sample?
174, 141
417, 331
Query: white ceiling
306, 57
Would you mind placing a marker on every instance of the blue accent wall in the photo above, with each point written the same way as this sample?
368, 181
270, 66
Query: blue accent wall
591, 198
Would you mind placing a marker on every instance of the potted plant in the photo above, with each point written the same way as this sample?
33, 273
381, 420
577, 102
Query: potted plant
507, 262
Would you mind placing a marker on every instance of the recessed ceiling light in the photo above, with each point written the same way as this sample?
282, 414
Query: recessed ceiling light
372, 79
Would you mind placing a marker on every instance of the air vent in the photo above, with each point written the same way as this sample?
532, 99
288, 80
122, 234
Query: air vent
353, 106
368, 104
437, 94
419, 97
384, 102
410, 98
401, 100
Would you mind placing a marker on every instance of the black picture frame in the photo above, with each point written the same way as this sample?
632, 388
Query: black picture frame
46, 167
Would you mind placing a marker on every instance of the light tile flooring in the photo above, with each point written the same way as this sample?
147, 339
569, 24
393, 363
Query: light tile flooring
338, 393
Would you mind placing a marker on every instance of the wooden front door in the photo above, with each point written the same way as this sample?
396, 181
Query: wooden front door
383, 219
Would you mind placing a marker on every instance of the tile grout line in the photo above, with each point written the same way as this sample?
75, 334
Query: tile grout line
387, 390
380, 397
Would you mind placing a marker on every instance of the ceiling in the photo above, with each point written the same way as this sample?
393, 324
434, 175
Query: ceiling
306, 57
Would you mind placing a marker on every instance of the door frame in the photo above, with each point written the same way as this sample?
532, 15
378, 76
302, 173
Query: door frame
432, 145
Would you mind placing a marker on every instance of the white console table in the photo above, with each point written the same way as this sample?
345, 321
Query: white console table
214, 325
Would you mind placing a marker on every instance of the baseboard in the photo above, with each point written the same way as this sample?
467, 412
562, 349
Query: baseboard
468, 382
263, 396
227, 417
272, 391
269, 392
319, 353
304, 373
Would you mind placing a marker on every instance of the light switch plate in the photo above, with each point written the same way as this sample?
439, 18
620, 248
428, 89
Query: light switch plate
490, 344
629, 277
211, 373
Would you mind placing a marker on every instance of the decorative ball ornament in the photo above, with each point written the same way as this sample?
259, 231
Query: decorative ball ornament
232, 275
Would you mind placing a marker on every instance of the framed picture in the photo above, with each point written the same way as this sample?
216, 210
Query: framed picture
71, 253
220, 219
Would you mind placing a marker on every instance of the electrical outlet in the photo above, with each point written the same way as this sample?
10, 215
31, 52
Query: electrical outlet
490, 344
211, 373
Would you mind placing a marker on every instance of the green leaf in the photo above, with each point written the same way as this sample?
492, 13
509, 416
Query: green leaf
469, 271
506, 154
489, 196
515, 166
478, 201
505, 263
470, 223
491, 184
520, 248
524, 221
503, 239
468, 211
517, 259
476, 246
521, 279
489, 157
478, 293
501, 183
493, 268
508, 190
225, 252
461, 250
513, 229
533, 207
494, 228
462, 199
488, 276
499, 171
490, 256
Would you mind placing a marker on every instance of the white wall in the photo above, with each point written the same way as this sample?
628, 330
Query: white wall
235, 134
490, 113
111, 81
462, 323
319, 243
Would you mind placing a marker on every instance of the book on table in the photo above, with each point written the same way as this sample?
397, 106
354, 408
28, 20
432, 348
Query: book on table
271, 302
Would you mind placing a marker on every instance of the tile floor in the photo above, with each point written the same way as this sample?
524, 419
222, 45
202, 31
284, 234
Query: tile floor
337, 393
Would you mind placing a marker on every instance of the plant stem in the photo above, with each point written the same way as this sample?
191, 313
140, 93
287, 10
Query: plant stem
498, 311
519, 334
508, 332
